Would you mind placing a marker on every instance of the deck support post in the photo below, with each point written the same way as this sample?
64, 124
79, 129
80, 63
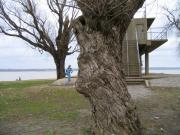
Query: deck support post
146, 63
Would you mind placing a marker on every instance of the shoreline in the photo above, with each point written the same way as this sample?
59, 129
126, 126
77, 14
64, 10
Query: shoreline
148, 77
28, 80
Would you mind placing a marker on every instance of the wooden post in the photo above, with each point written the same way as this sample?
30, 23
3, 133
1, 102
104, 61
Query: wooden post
146, 63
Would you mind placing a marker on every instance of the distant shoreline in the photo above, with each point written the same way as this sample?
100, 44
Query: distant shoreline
25, 70
164, 68
28, 74
28, 70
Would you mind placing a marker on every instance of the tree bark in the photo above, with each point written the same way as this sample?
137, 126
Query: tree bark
101, 81
60, 67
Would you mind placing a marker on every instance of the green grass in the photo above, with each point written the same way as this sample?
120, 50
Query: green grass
28, 102
72, 115
23, 84
55, 103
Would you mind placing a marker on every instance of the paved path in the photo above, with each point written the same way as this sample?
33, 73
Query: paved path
139, 91
171, 81
136, 91
64, 82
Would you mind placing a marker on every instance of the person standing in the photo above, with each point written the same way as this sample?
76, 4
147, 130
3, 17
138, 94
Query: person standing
68, 72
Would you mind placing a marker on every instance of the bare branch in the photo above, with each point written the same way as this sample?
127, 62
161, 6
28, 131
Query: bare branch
27, 22
173, 17
76, 49
102, 15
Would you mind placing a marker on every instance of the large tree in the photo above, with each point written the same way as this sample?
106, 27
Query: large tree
43, 24
99, 32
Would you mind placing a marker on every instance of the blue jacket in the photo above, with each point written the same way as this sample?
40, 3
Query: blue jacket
69, 71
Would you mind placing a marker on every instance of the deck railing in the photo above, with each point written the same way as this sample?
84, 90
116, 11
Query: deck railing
159, 33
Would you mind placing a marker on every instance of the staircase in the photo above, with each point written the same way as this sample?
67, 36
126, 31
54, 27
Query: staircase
131, 58
134, 80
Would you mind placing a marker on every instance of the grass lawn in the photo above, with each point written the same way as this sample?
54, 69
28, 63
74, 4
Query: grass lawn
36, 108
23, 84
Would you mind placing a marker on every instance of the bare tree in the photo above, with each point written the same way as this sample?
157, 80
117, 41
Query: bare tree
48, 29
173, 23
99, 32
173, 17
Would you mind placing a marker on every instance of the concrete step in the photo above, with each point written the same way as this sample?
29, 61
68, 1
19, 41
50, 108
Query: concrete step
135, 83
134, 77
134, 80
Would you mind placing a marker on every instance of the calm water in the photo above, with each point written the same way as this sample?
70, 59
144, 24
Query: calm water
165, 70
28, 75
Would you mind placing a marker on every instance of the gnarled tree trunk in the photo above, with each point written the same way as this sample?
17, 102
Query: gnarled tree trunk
102, 81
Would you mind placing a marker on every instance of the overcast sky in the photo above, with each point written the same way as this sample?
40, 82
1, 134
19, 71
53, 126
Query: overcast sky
16, 54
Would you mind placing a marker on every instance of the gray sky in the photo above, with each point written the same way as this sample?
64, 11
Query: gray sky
15, 53
167, 55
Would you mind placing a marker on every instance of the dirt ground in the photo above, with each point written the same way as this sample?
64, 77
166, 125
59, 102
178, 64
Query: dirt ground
139, 91
160, 112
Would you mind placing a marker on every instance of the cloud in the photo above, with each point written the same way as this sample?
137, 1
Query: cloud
15, 53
